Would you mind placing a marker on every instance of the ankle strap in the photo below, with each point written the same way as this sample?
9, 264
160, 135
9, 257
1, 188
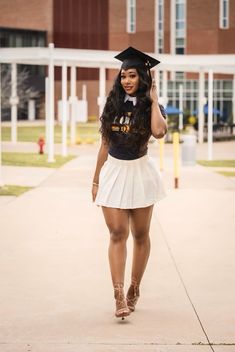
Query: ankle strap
134, 283
118, 285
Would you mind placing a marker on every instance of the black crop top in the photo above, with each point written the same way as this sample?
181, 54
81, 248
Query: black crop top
123, 138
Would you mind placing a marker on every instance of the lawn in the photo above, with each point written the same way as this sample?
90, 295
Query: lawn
13, 190
85, 132
31, 159
217, 163
220, 163
227, 173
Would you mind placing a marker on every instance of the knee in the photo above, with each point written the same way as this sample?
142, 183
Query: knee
141, 237
118, 234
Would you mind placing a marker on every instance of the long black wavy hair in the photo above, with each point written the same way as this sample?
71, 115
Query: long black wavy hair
141, 121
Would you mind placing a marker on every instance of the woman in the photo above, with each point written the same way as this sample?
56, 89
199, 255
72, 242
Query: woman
126, 183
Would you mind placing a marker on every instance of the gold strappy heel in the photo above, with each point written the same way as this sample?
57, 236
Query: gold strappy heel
122, 309
133, 295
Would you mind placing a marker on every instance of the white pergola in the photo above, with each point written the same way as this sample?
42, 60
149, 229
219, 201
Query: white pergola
102, 59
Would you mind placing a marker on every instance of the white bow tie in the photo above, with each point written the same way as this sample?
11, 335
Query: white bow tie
129, 98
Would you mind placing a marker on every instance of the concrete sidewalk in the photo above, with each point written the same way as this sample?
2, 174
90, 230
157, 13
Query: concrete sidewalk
56, 292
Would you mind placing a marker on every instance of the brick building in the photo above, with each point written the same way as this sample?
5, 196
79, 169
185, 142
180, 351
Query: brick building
161, 26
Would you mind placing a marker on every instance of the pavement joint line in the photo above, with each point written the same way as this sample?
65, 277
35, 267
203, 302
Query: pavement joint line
47, 177
184, 286
32, 343
156, 344
118, 344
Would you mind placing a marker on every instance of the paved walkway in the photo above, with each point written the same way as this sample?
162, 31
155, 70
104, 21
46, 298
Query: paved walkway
56, 293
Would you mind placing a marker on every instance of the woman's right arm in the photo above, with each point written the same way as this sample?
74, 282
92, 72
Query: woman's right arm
101, 158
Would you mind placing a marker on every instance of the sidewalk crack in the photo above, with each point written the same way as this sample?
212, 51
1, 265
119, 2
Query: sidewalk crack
184, 286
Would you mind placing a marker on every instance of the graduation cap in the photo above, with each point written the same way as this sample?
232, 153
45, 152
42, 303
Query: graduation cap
132, 57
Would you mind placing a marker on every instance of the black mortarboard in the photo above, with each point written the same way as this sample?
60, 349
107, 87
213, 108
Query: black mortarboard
132, 57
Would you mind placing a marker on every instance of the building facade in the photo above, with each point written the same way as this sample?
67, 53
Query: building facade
161, 26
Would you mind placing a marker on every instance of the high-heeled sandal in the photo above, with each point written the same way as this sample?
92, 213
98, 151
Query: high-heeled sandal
122, 309
132, 295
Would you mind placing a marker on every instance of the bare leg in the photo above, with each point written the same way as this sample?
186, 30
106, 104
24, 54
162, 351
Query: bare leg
140, 224
117, 221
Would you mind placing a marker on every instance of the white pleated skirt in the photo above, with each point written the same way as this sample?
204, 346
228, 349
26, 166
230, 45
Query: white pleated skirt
129, 184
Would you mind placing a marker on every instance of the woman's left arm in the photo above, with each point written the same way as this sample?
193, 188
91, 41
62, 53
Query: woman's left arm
158, 122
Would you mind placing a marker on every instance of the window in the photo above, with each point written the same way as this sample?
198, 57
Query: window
179, 76
222, 95
131, 16
180, 26
10, 37
160, 26
224, 14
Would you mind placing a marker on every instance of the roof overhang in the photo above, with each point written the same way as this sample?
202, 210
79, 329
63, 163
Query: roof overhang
220, 63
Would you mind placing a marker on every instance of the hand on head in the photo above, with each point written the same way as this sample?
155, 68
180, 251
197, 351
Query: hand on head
153, 91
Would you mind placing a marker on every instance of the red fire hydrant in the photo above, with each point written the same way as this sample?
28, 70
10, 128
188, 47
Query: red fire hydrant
41, 144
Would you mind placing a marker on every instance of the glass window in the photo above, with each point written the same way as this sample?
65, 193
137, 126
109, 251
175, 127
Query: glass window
179, 51
18, 41
222, 94
131, 16
179, 76
227, 85
180, 33
179, 11
10, 37
224, 14
180, 26
160, 25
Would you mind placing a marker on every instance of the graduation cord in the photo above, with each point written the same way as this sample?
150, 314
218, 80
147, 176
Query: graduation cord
185, 289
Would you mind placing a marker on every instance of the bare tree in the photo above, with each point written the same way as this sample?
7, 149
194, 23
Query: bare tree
24, 91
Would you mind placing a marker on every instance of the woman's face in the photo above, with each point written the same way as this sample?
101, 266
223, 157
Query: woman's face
130, 80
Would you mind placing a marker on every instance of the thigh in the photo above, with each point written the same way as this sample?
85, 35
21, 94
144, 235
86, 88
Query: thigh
140, 220
117, 220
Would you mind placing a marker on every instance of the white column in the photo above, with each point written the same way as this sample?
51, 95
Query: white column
102, 81
64, 109
210, 114
164, 88
84, 92
72, 105
14, 102
51, 106
181, 107
47, 112
1, 180
31, 110
233, 103
201, 103
156, 48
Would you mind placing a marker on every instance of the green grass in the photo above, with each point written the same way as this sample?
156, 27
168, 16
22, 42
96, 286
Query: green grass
217, 163
13, 190
86, 131
227, 173
31, 159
